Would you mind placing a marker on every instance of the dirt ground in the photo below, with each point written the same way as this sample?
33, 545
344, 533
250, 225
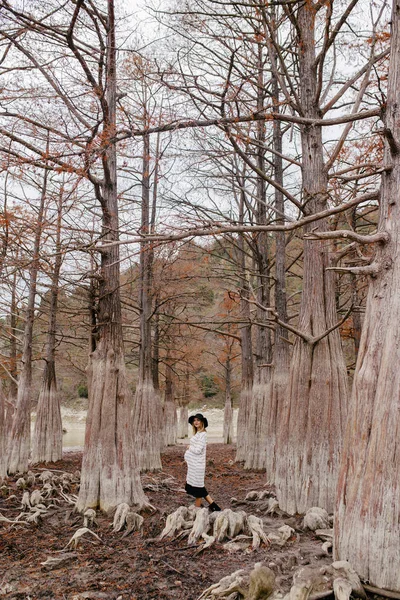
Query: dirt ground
134, 567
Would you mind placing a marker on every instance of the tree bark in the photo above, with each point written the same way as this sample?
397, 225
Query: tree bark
170, 420
281, 357
228, 409
19, 442
3, 438
247, 361
110, 473
257, 442
47, 440
147, 406
367, 526
183, 409
313, 421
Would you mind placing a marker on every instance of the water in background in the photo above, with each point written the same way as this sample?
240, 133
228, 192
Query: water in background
74, 423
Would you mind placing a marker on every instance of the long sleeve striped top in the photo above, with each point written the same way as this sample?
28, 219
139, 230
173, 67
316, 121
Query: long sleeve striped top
195, 457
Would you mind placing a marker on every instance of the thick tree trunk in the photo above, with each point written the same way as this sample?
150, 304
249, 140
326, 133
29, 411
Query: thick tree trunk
228, 408
246, 346
47, 440
257, 442
3, 438
313, 420
110, 473
19, 442
281, 357
247, 367
183, 422
367, 526
183, 415
170, 419
147, 408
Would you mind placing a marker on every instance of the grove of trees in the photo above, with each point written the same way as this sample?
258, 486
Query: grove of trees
201, 198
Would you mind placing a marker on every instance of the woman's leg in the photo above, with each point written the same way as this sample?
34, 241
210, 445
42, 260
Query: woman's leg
209, 499
197, 502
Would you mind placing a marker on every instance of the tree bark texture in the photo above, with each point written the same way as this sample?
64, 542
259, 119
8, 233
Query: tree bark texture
367, 525
110, 473
170, 418
245, 344
147, 409
257, 442
247, 364
47, 440
313, 420
281, 356
183, 422
19, 441
228, 408
3, 438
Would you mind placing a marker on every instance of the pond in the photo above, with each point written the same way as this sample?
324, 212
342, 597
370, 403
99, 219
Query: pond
74, 424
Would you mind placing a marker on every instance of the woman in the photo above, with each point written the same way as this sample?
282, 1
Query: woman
195, 457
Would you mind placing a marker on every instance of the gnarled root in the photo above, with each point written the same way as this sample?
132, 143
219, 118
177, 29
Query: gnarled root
339, 577
255, 585
316, 518
229, 524
134, 522
120, 516
89, 517
74, 541
181, 519
200, 526
209, 540
282, 536
235, 582
255, 526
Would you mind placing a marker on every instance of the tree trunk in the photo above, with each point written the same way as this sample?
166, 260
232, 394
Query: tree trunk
281, 357
313, 420
3, 438
110, 472
228, 409
47, 441
147, 406
170, 420
183, 422
19, 442
247, 362
257, 442
367, 526
183, 409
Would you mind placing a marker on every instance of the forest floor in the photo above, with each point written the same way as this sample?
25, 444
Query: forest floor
136, 567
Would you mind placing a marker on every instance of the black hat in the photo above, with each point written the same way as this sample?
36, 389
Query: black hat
200, 417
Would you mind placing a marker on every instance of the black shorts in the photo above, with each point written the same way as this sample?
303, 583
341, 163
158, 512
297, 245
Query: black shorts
197, 492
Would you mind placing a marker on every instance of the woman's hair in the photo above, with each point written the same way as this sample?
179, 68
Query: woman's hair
201, 428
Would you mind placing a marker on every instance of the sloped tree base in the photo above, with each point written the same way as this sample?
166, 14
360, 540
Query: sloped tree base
47, 440
147, 426
19, 441
110, 474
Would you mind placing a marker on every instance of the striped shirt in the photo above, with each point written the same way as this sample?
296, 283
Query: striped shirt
195, 457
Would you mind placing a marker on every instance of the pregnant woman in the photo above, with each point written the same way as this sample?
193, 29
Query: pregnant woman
195, 457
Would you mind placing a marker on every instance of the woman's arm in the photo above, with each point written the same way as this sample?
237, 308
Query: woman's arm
198, 444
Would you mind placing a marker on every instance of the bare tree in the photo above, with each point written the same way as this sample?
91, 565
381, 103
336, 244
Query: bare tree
47, 440
19, 441
366, 518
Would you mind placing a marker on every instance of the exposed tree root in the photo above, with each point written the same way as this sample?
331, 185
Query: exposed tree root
125, 516
74, 541
243, 530
89, 517
182, 518
316, 582
255, 585
316, 518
